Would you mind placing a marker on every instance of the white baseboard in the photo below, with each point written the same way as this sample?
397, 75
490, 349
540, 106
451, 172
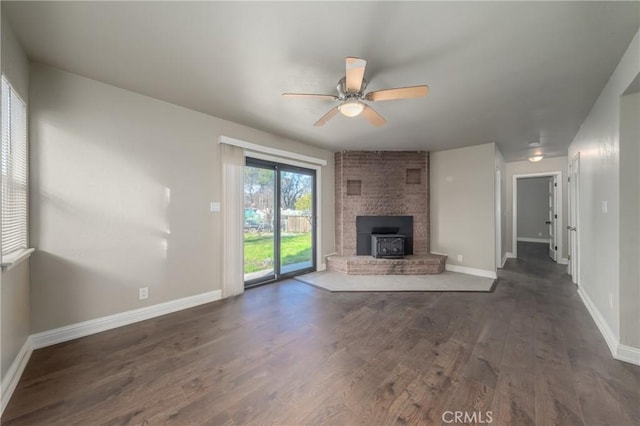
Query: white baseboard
618, 351
504, 259
533, 240
605, 330
563, 261
12, 377
86, 328
628, 354
471, 271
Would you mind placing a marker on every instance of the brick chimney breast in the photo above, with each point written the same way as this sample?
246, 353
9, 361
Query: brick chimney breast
381, 183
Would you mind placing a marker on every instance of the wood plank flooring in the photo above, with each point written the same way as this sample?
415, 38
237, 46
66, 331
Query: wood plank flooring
291, 354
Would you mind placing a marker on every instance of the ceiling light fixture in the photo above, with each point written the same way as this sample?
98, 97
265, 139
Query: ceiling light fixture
536, 158
351, 108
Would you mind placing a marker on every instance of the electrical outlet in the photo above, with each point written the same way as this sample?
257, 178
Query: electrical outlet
143, 293
459, 258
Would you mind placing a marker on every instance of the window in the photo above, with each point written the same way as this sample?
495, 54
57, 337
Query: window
14, 163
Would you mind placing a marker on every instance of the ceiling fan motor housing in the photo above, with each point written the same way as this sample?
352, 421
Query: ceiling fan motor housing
343, 94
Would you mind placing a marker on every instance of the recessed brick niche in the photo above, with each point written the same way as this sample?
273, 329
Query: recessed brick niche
382, 183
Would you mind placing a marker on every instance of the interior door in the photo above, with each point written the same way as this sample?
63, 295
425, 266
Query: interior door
551, 221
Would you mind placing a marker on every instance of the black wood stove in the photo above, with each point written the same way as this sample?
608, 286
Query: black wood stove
389, 246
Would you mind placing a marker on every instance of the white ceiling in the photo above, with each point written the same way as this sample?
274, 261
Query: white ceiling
505, 72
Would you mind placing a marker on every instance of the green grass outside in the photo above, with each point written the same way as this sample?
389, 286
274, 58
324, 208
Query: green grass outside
258, 250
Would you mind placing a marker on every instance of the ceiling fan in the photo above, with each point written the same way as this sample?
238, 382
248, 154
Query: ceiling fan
351, 95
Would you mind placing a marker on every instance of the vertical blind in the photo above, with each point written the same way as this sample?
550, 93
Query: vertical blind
14, 171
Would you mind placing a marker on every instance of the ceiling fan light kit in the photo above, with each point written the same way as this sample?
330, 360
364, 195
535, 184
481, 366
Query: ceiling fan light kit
351, 108
536, 158
351, 93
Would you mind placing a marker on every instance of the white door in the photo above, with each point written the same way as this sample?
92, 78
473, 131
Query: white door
551, 221
572, 227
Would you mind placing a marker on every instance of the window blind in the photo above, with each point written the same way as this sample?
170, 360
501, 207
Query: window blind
14, 163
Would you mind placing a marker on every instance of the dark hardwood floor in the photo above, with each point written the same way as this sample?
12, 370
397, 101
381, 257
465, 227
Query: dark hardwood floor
291, 354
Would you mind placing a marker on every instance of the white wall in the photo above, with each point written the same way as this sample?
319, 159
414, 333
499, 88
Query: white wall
547, 165
15, 64
462, 205
14, 283
16, 326
121, 186
598, 142
630, 219
533, 208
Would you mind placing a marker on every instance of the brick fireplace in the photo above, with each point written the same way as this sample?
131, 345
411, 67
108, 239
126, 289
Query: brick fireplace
382, 183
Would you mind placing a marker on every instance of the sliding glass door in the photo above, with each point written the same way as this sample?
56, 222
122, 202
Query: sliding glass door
279, 221
259, 223
296, 220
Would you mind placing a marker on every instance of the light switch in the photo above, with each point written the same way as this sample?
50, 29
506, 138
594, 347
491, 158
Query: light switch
605, 207
215, 206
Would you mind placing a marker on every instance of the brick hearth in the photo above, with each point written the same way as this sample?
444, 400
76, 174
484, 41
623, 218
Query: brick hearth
366, 265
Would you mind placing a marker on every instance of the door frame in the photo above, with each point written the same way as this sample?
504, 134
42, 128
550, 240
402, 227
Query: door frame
558, 202
573, 219
318, 265
498, 218
553, 224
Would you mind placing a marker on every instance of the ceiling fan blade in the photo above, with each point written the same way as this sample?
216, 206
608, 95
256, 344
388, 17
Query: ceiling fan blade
328, 116
398, 93
373, 117
309, 95
355, 74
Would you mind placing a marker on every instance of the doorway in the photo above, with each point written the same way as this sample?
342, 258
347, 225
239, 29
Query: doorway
537, 211
279, 221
